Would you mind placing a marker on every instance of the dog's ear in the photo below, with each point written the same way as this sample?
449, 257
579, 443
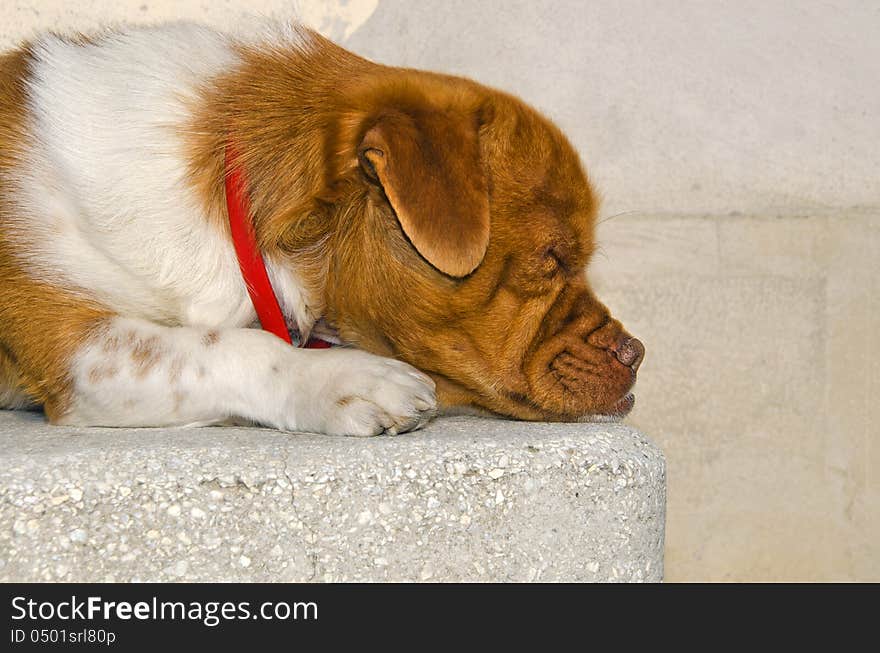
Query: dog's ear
430, 169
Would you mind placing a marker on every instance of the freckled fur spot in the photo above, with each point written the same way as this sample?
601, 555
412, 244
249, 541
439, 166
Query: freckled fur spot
179, 398
145, 354
211, 337
342, 402
102, 372
111, 344
176, 369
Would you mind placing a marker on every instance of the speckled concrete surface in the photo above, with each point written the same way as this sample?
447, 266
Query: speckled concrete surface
466, 499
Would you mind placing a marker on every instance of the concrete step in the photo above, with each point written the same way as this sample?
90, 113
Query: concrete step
466, 499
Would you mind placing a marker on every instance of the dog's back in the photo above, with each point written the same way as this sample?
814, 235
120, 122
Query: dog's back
100, 191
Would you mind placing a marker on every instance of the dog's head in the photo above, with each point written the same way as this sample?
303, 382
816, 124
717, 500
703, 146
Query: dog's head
463, 225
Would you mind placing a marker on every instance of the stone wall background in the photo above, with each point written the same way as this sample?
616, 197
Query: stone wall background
735, 144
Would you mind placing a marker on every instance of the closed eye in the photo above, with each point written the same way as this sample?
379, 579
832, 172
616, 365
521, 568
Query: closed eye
553, 254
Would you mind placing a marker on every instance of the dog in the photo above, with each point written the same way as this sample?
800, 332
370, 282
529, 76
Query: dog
435, 228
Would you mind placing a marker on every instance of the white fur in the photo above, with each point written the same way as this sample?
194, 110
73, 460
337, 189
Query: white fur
138, 373
104, 198
104, 206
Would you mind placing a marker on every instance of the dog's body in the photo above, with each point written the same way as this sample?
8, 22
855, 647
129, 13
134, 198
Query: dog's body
381, 203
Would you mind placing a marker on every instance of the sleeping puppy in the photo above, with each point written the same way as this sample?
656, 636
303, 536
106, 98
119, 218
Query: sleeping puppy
437, 228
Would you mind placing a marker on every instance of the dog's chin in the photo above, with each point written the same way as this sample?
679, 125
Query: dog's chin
617, 412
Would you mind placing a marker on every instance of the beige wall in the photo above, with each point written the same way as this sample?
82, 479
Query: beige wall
735, 138
760, 384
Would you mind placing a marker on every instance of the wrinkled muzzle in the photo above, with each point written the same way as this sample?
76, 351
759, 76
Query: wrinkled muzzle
585, 364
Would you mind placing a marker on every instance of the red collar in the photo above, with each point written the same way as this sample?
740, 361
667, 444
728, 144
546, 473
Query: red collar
250, 260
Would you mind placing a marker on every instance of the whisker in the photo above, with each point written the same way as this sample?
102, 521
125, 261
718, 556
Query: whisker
616, 215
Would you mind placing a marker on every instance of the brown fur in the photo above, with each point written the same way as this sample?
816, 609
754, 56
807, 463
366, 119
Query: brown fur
475, 277
438, 192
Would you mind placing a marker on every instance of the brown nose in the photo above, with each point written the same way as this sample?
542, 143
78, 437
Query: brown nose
631, 353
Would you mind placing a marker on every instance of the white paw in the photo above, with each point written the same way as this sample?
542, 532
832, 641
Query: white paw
356, 393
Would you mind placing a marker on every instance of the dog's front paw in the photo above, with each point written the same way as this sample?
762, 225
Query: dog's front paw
356, 393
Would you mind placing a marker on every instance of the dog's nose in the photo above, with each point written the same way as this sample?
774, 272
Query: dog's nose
630, 352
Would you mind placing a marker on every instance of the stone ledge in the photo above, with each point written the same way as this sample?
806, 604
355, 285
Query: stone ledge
466, 499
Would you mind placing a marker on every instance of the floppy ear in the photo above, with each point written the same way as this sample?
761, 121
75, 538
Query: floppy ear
429, 167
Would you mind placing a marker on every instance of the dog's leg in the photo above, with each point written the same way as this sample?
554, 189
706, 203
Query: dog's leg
136, 373
12, 395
